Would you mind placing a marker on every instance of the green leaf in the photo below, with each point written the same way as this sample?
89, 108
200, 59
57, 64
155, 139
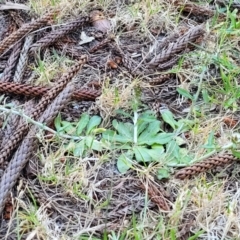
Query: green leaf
173, 149
163, 173
168, 118
185, 158
185, 124
154, 127
156, 152
130, 127
124, 129
98, 130
82, 123
233, 17
108, 135
151, 130
111, 136
67, 127
124, 162
161, 138
93, 122
210, 141
121, 139
184, 93
205, 95
147, 117
141, 126
93, 144
57, 122
79, 149
196, 235
236, 153
142, 154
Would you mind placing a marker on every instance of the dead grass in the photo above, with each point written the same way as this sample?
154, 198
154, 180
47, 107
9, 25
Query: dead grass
118, 96
86, 198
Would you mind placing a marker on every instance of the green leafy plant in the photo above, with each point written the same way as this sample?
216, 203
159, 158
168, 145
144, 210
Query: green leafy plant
87, 127
141, 139
144, 141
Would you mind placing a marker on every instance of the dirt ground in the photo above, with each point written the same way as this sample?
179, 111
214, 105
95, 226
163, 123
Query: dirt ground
149, 150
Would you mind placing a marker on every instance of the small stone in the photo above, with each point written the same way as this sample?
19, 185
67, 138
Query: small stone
99, 21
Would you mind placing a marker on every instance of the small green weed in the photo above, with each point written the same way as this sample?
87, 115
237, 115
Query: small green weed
144, 141
86, 126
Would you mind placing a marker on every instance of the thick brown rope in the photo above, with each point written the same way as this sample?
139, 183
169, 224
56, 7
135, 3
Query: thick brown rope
24, 30
23, 58
57, 34
180, 45
14, 121
40, 107
34, 91
11, 63
29, 144
203, 166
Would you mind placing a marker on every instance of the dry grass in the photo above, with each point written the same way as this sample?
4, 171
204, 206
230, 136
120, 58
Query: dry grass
86, 197
116, 97
49, 68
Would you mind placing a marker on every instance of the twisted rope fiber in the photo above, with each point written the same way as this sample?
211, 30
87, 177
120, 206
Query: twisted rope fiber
205, 165
29, 144
127, 63
101, 44
15, 121
12, 60
169, 63
177, 47
23, 58
25, 29
35, 91
157, 80
75, 52
3, 64
43, 103
193, 8
69, 49
55, 35
161, 45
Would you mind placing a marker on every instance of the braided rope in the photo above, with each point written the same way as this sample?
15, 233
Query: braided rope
101, 44
6, 76
204, 166
45, 101
70, 50
177, 47
160, 79
12, 60
13, 123
169, 63
29, 144
25, 29
57, 34
35, 91
23, 58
